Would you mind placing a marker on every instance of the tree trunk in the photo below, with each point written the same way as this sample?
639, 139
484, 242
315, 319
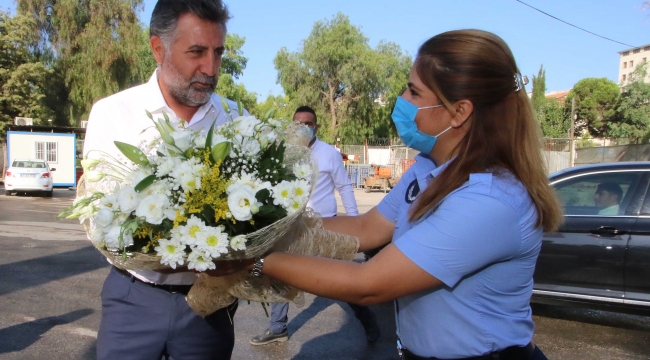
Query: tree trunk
332, 110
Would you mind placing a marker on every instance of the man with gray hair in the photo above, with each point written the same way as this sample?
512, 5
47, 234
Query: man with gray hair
144, 313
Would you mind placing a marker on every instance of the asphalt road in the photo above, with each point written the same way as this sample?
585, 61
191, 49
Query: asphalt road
51, 278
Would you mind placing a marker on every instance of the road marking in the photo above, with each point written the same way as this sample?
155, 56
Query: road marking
44, 231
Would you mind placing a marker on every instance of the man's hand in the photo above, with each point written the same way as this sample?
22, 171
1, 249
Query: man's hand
227, 267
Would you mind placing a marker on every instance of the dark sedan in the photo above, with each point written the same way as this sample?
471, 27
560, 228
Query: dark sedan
600, 256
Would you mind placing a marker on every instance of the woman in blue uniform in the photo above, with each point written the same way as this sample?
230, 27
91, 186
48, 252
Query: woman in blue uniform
464, 225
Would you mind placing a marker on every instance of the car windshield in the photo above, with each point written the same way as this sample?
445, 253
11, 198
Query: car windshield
28, 164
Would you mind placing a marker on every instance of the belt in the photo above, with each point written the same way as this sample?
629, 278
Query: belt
509, 353
173, 289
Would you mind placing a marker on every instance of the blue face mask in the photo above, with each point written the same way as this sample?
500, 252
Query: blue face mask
313, 135
404, 118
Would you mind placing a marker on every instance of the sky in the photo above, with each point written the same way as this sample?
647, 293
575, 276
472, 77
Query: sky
568, 54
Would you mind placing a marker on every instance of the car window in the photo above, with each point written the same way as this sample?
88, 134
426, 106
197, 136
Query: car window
599, 194
29, 164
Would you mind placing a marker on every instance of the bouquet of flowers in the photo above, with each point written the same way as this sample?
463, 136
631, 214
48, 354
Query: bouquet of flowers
189, 198
196, 197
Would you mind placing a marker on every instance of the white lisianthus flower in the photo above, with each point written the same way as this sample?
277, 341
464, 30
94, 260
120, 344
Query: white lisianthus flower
138, 175
104, 217
246, 125
171, 252
282, 193
274, 123
238, 242
182, 139
192, 232
250, 147
86, 212
110, 201
200, 261
214, 242
267, 136
152, 208
128, 199
112, 238
93, 175
240, 202
302, 170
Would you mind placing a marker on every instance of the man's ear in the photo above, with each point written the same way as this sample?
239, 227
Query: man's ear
464, 109
157, 48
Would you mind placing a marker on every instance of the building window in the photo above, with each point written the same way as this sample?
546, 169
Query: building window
631, 63
636, 51
626, 53
624, 64
46, 151
624, 76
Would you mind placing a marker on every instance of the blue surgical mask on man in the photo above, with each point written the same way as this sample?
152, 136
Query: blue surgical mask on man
313, 134
404, 118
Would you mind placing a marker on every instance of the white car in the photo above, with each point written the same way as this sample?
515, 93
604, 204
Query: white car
29, 175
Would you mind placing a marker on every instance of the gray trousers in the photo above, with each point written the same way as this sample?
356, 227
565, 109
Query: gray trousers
140, 322
279, 316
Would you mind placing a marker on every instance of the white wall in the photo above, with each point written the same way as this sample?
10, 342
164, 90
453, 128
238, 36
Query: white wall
21, 145
378, 156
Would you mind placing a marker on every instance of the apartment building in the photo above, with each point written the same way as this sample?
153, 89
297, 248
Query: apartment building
630, 59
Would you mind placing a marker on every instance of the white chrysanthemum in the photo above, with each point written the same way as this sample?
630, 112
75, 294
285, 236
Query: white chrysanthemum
294, 205
242, 203
213, 242
248, 180
182, 139
238, 242
166, 165
192, 232
128, 199
199, 141
200, 261
302, 170
301, 190
246, 125
282, 193
153, 208
137, 175
171, 252
112, 238
187, 174
103, 217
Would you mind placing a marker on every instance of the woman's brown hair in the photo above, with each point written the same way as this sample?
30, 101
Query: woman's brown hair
478, 66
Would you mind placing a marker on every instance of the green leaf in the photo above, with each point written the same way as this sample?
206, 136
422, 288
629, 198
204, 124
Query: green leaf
266, 210
132, 153
208, 215
144, 183
268, 114
208, 138
263, 195
149, 114
220, 151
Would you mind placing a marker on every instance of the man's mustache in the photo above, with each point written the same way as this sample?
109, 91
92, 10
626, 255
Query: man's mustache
209, 80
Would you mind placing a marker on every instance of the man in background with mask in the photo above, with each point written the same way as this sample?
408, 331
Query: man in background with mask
331, 176
144, 313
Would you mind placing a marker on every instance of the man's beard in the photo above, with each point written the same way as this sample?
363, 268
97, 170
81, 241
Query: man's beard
184, 91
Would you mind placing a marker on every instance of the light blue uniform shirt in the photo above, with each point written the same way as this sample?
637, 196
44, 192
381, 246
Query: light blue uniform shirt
482, 243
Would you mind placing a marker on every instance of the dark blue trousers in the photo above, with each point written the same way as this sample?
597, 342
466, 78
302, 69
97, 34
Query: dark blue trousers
140, 322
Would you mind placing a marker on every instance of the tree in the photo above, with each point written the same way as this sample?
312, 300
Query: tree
95, 44
342, 78
280, 104
633, 111
596, 101
554, 119
538, 98
22, 78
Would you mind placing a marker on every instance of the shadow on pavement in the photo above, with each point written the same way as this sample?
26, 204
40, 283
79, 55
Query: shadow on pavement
19, 337
34, 272
334, 346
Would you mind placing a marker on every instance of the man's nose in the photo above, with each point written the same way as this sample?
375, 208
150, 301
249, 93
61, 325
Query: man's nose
211, 64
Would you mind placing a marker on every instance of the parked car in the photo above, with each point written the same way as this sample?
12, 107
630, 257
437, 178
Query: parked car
600, 256
25, 175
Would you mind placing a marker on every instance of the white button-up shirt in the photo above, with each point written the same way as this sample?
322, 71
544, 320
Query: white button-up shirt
122, 117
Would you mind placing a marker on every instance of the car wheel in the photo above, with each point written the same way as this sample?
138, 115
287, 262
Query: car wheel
7, 192
49, 193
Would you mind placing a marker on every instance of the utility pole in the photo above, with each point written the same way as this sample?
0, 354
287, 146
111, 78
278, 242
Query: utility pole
572, 151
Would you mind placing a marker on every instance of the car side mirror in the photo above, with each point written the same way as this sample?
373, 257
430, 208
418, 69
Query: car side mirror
53, 169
